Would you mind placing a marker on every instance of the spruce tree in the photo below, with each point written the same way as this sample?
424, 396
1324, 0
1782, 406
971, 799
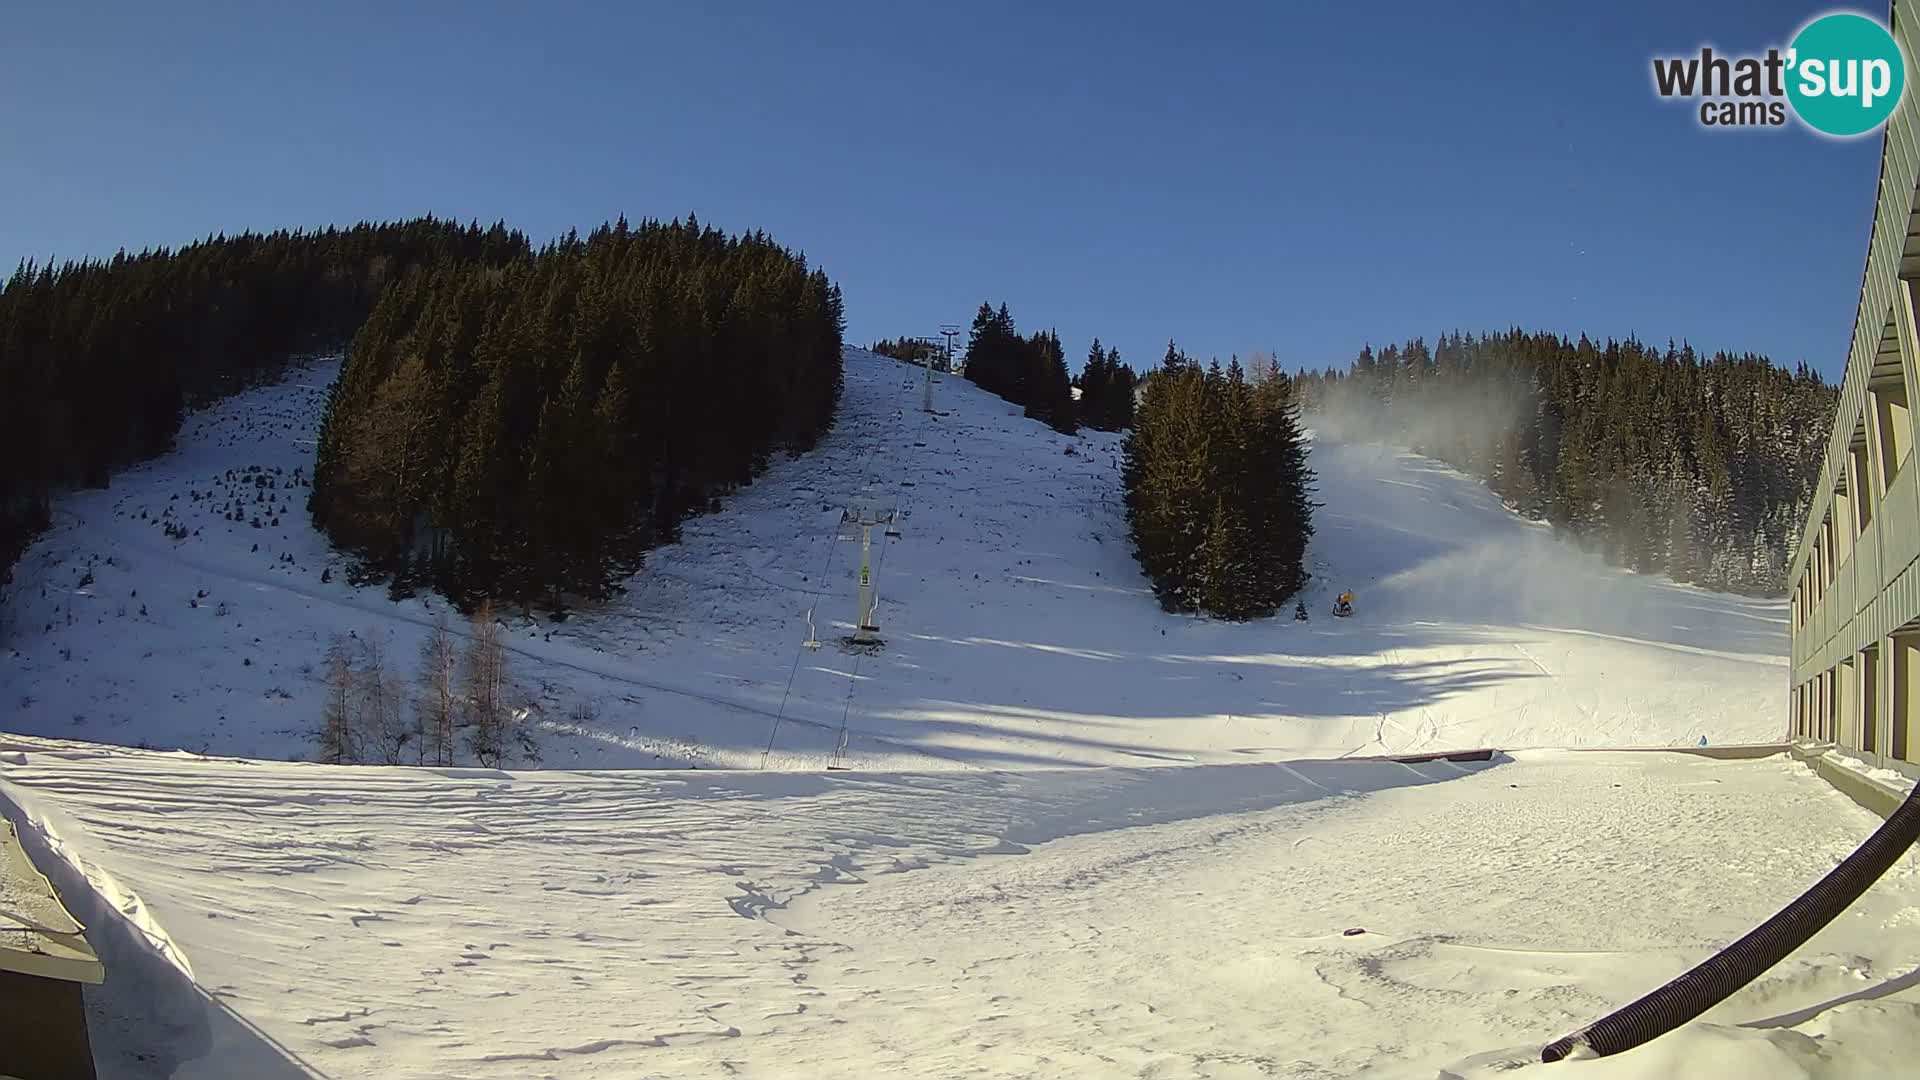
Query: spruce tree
1049, 390
1095, 390
1121, 388
1218, 490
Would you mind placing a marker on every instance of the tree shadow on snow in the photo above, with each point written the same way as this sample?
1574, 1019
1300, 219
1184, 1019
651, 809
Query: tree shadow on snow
1018, 809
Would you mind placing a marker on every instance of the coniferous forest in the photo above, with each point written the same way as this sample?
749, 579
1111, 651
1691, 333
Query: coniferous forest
508, 423
1106, 390
1218, 490
912, 350
100, 358
1700, 467
526, 431
1028, 371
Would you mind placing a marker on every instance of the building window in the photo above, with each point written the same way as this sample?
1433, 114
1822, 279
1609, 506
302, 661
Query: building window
1813, 571
1869, 696
1860, 482
1826, 708
1830, 560
1841, 524
1906, 671
1895, 420
1846, 703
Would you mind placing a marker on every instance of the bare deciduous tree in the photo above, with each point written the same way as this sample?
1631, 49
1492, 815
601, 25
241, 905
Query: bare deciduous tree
1262, 367
485, 677
383, 719
337, 742
438, 704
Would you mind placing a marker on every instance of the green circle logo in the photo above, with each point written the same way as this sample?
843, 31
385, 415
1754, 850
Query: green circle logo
1845, 74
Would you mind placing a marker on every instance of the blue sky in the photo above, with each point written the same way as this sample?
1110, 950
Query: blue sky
1303, 178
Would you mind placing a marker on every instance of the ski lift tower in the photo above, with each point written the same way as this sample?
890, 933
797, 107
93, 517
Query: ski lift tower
926, 358
948, 330
865, 631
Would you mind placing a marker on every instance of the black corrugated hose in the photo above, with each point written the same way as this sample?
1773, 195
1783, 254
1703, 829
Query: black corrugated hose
1741, 962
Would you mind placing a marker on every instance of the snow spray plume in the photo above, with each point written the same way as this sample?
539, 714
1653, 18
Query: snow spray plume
1465, 426
1451, 550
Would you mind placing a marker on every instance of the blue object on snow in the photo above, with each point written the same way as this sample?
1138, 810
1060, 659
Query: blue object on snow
1703, 740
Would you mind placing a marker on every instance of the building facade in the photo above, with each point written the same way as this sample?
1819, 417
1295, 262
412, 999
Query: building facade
1855, 602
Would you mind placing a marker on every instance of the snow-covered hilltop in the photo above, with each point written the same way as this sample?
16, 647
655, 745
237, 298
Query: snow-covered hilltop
189, 606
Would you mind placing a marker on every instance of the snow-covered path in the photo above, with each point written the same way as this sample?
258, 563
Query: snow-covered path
1164, 921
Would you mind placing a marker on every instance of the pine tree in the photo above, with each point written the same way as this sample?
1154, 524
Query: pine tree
1122, 385
1048, 388
1166, 474
1280, 496
1229, 583
1218, 490
1096, 389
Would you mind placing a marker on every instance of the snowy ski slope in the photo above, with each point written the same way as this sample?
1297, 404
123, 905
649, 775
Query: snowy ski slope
966, 899
1019, 630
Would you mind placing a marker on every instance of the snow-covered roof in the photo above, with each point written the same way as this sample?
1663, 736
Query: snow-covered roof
37, 934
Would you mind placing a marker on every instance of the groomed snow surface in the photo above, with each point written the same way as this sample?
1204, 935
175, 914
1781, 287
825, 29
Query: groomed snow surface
966, 897
1152, 921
